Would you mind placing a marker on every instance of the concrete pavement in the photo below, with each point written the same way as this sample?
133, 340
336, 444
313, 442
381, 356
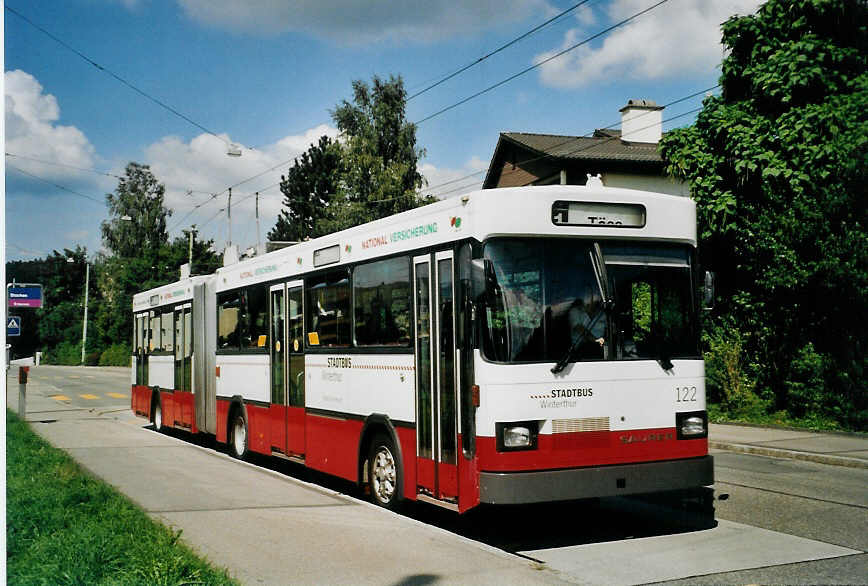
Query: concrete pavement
264, 526
837, 449
267, 527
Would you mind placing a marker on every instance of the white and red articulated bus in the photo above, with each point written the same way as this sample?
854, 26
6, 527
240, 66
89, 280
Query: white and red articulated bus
508, 346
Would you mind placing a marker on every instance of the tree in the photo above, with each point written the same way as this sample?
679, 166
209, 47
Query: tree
369, 173
379, 171
137, 214
136, 237
308, 189
61, 275
777, 166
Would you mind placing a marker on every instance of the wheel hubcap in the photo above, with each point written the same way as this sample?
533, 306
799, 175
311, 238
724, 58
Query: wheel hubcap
383, 475
239, 436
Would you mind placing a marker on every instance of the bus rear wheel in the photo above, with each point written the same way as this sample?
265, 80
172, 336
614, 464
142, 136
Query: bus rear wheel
238, 436
384, 473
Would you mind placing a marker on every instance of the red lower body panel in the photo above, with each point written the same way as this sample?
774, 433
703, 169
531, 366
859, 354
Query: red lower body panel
468, 481
259, 429
222, 420
407, 438
295, 436
590, 448
140, 398
332, 445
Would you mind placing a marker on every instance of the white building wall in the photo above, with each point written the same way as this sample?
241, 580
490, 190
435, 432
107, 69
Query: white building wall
655, 183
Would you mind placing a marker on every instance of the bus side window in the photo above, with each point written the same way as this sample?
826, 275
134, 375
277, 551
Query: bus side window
229, 319
328, 309
256, 334
156, 344
382, 303
166, 331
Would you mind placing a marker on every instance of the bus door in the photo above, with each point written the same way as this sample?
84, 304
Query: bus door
182, 406
436, 429
142, 349
287, 369
295, 372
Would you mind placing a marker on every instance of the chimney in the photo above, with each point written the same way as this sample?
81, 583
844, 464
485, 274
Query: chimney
641, 121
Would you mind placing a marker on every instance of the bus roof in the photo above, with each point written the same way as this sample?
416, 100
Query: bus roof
515, 211
170, 294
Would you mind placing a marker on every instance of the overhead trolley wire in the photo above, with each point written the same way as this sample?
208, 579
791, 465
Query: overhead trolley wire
45, 162
586, 135
541, 63
499, 49
57, 185
136, 89
452, 181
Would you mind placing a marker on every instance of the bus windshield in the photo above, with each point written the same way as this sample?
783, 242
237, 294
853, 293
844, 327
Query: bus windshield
543, 300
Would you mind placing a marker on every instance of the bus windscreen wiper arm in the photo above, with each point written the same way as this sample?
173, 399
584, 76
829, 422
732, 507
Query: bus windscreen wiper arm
562, 363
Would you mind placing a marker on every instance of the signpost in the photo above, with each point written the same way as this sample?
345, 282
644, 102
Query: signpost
13, 326
24, 295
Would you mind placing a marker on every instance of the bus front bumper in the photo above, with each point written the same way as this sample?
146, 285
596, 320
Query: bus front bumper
508, 488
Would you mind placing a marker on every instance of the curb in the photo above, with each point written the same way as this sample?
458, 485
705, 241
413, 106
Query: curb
791, 454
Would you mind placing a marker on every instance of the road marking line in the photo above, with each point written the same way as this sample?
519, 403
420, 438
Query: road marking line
73, 376
89, 397
118, 395
60, 397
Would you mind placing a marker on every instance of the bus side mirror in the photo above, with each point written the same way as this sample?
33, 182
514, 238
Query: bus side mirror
708, 292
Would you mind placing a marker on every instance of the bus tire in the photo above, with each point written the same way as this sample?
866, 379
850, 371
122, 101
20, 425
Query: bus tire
157, 415
384, 473
238, 435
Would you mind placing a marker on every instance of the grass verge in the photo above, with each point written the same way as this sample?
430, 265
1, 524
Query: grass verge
63, 526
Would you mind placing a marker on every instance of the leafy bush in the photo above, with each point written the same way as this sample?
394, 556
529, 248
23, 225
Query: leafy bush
92, 358
728, 382
116, 355
805, 384
65, 353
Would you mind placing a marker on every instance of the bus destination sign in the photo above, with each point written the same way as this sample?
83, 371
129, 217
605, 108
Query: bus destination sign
587, 213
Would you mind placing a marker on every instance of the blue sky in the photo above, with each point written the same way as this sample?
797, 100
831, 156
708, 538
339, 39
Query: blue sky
265, 73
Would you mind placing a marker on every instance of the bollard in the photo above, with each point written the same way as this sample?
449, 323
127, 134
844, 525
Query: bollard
22, 391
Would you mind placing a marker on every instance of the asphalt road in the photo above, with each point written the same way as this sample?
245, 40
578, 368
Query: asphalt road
96, 388
774, 508
828, 504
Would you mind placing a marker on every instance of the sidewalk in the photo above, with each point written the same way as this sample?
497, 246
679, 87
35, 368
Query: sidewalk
266, 527
837, 449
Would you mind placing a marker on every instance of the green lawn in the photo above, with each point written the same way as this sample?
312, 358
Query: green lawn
63, 526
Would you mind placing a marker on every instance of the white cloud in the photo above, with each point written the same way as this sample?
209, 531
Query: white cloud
358, 21
680, 38
202, 167
446, 182
32, 130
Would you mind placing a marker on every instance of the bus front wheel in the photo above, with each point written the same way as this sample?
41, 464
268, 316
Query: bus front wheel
384, 473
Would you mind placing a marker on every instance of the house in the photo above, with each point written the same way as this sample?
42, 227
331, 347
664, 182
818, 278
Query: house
623, 158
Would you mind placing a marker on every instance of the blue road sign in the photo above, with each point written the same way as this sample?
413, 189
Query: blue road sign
24, 295
13, 326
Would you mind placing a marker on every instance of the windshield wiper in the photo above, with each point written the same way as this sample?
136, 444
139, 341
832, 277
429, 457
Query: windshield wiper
562, 363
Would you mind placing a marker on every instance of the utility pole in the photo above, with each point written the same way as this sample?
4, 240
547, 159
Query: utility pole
258, 239
86, 288
190, 253
229, 213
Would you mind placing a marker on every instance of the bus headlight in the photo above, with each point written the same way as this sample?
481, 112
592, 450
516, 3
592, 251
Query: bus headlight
520, 435
692, 425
